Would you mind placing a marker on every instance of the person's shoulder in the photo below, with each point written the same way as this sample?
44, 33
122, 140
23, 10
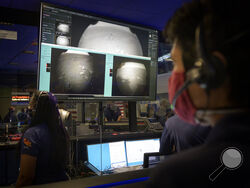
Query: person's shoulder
36, 130
173, 121
190, 156
187, 167
176, 120
192, 168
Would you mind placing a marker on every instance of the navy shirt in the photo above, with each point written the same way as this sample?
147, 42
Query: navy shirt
181, 135
36, 142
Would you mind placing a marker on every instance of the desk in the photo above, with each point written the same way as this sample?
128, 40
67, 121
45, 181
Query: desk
8, 145
102, 180
115, 136
79, 143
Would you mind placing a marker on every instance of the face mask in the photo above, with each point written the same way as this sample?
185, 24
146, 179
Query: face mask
184, 107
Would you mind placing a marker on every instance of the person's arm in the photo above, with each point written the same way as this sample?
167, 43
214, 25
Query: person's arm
27, 170
119, 114
167, 144
30, 144
119, 118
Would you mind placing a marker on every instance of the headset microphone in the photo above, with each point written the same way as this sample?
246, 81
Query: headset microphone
184, 86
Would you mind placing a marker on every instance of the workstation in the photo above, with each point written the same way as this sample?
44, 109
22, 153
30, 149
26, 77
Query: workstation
124, 93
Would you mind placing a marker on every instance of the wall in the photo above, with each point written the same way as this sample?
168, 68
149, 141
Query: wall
162, 83
5, 100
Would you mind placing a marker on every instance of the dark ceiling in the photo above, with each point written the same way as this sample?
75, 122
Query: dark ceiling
152, 13
18, 58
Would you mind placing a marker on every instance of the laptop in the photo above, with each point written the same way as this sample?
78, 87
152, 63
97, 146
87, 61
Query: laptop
114, 157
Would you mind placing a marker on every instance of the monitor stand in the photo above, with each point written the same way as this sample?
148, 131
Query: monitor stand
132, 116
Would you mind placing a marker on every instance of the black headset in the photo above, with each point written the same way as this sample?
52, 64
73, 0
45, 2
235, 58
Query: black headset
39, 96
209, 71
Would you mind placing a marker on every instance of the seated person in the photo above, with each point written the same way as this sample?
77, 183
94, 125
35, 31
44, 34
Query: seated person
112, 113
10, 117
179, 135
163, 112
151, 110
210, 84
22, 116
44, 144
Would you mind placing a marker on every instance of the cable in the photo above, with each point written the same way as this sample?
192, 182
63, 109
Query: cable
185, 85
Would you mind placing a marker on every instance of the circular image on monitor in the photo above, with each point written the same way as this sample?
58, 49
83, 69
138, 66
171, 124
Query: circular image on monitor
110, 38
62, 40
131, 78
63, 28
75, 70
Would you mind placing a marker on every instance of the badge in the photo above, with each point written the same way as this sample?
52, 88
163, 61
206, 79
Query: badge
26, 142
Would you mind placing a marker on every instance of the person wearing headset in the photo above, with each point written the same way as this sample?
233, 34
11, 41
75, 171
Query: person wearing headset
210, 85
44, 145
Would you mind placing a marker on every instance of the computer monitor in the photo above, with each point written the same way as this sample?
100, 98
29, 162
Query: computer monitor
107, 156
86, 56
152, 159
136, 149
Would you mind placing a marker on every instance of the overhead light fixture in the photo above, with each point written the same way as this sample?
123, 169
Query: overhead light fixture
13, 63
6, 23
166, 57
28, 52
35, 43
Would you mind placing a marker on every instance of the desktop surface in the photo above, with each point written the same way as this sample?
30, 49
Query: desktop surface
125, 179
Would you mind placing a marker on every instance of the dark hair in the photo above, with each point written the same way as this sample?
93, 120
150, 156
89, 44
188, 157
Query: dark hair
45, 109
226, 29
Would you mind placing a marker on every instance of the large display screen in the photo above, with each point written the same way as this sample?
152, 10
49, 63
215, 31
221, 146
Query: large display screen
86, 56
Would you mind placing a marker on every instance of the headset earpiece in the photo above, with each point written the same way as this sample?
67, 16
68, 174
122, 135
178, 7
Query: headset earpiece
39, 96
211, 69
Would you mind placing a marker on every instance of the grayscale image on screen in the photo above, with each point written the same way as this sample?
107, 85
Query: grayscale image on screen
77, 72
130, 77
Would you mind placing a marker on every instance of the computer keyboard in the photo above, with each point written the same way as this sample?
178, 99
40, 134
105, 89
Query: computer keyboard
126, 169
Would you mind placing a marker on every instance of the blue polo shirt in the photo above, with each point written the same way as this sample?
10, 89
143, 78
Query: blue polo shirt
36, 142
182, 135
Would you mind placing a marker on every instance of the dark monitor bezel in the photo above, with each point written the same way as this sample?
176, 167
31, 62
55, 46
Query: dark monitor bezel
146, 161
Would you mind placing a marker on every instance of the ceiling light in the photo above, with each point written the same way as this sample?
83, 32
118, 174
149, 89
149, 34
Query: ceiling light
28, 52
13, 63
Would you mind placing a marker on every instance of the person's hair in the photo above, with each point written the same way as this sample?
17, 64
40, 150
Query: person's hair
226, 29
45, 109
11, 109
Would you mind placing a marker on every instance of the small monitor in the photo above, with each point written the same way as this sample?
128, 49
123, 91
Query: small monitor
87, 56
153, 158
136, 149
